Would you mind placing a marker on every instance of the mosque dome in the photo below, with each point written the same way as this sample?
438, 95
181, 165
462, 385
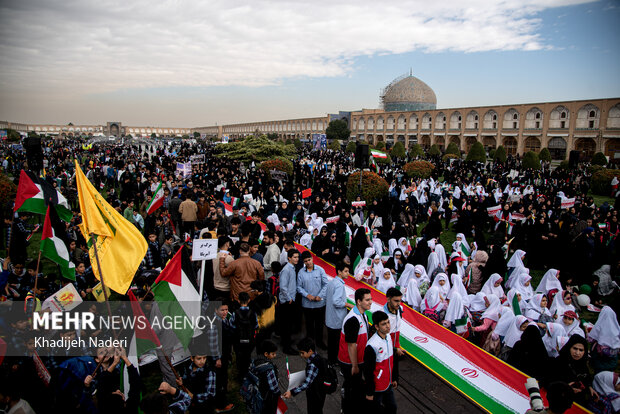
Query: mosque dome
408, 93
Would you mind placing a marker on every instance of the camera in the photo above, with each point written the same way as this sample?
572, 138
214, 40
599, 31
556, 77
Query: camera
533, 389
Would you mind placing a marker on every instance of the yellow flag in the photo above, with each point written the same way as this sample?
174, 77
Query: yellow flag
98, 292
120, 245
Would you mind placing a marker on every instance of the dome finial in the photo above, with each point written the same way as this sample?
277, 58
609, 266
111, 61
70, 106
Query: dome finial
410, 71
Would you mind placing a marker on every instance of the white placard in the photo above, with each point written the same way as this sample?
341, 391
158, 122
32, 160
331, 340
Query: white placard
204, 249
296, 379
65, 299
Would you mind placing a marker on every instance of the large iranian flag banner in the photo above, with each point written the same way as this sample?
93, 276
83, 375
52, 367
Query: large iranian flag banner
157, 201
486, 380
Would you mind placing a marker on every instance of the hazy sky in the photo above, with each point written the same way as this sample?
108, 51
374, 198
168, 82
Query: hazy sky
188, 63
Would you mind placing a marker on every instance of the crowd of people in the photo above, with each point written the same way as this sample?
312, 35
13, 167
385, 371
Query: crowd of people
511, 225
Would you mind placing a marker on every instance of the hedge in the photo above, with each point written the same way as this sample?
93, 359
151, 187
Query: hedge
531, 161
374, 187
280, 164
601, 181
599, 159
419, 169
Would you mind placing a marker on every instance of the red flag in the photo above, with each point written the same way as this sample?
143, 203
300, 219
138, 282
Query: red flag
282, 407
306, 193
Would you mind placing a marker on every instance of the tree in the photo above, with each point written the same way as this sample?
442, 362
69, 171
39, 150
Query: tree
453, 149
12, 135
492, 153
255, 149
338, 129
185, 136
434, 151
153, 135
297, 143
545, 155
380, 146
196, 134
476, 153
399, 150
374, 187
272, 136
351, 147
335, 145
531, 161
415, 150
129, 136
500, 155
599, 159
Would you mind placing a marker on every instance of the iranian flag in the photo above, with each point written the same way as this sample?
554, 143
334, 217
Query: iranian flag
54, 246
374, 166
378, 154
227, 209
347, 236
34, 195
177, 296
234, 201
142, 341
157, 201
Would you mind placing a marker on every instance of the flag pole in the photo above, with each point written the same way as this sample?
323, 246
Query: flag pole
105, 292
36, 277
174, 371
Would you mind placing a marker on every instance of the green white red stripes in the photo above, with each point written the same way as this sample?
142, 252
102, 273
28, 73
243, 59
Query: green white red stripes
378, 154
53, 246
157, 201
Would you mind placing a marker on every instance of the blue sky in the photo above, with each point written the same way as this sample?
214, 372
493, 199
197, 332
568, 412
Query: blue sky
85, 62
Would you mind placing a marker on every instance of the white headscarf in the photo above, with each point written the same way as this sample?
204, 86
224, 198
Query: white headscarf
456, 245
393, 245
490, 289
573, 328
549, 282
432, 299
554, 330
514, 333
407, 274
510, 283
412, 295
526, 291
441, 253
605, 383
493, 310
377, 244
558, 307
477, 302
505, 321
384, 284
458, 287
419, 269
363, 265
433, 263
306, 240
606, 330
455, 308
378, 268
510, 297
404, 245
445, 289
534, 310
516, 259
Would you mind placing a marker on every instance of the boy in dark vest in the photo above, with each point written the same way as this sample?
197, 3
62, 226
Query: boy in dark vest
267, 374
199, 377
315, 369
245, 324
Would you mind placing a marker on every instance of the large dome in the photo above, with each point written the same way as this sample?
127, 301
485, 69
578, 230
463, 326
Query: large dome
408, 93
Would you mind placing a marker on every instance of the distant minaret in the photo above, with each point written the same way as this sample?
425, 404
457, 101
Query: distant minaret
410, 71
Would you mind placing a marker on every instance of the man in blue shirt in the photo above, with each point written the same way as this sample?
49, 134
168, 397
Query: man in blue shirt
312, 285
335, 310
286, 308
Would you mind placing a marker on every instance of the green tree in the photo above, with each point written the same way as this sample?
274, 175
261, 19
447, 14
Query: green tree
476, 153
185, 136
599, 159
129, 136
338, 129
500, 155
297, 143
335, 145
153, 135
351, 146
272, 136
415, 150
399, 150
492, 153
12, 135
386, 161
531, 161
196, 134
434, 151
545, 155
255, 149
380, 146
453, 149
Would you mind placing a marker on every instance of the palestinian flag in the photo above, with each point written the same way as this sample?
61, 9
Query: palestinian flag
374, 166
157, 201
176, 294
54, 244
34, 195
378, 154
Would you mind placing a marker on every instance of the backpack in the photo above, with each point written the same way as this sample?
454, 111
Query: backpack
327, 377
273, 286
245, 322
250, 388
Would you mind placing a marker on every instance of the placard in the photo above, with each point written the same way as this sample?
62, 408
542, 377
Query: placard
197, 159
333, 219
358, 203
279, 175
65, 299
204, 249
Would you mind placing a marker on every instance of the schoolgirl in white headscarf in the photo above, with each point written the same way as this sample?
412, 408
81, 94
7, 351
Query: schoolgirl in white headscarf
412, 295
392, 245
570, 322
377, 269
461, 245
386, 281
458, 287
514, 264
549, 282
606, 331
514, 300
493, 286
524, 286
441, 253
433, 263
537, 308
456, 310
562, 302
405, 276
553, 331
606, 383
404, 245
505, 321
424, 282
432, 300
442, 284
513, 335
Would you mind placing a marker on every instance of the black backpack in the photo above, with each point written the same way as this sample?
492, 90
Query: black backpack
327, 377
245, 322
